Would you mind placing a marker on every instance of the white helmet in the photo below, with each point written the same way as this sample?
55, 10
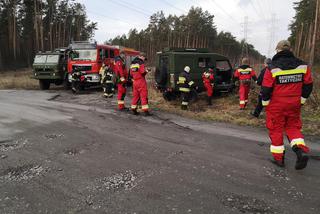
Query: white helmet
187, 69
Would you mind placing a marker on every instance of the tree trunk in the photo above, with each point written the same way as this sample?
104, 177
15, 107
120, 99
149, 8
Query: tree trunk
14, 36
313, 44
300, 39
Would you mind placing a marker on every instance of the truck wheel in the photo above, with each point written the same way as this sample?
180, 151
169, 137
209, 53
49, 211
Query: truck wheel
66, 84
169, 96
44, 84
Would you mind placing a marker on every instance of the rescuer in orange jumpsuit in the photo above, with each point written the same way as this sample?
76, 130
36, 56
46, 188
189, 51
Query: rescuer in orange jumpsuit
122, 76
244, 74
286, 85
208, 82
138, 73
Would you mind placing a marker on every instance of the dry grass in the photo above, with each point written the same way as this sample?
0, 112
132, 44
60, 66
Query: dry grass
17, 80
226, 109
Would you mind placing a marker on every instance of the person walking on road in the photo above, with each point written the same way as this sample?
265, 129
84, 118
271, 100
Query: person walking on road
138, 73
122, 76
244, 74
285, 88
208, 82
185, 85
257, 111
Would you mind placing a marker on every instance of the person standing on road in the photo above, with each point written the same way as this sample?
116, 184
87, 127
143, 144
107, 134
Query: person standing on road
257, 111
185, 84
122, 76
138, 73
208, 82
107, 81
244, 74
285, 88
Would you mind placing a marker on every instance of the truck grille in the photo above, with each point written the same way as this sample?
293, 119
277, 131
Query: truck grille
82, 67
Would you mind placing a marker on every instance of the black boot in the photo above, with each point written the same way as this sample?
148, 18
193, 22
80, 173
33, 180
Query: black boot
302, 160
254, 114
184, 107
279, 163
135, 112
209, 101
147, 114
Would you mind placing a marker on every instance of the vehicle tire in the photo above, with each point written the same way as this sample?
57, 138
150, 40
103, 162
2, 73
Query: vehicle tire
44, 84
66, 83
169, 96
58, 82
161, 76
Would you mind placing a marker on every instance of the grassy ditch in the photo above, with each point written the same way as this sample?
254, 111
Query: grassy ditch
226, 109
17, 80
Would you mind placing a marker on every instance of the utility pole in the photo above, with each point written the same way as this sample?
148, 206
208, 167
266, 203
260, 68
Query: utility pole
315, 29
245, 51
272, 35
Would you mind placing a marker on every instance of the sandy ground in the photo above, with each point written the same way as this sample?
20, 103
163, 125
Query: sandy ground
58, 154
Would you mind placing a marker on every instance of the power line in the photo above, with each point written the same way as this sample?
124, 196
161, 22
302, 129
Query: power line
227, 14
109, 17
139, 8
255, 9
261, 9
177, 8
130, 8
245, 51
272, 35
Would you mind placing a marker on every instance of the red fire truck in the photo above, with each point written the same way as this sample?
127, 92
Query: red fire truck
88, 58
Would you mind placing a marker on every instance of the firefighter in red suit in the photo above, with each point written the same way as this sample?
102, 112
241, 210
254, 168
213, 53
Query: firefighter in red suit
208, 82
138, 73
286, 86
122, 76
244, 74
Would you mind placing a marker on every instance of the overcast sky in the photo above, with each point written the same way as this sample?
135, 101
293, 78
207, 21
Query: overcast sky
117, 17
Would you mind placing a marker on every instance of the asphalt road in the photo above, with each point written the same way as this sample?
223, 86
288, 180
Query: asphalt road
60, 155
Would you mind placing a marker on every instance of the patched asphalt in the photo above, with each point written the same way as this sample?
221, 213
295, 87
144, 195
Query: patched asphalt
65, 153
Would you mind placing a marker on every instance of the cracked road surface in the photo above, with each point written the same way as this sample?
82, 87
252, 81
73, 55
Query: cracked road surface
60, 155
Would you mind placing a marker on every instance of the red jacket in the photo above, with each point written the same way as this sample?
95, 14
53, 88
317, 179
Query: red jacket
288, 77
207, 78
137, 69
245, 73
120, 70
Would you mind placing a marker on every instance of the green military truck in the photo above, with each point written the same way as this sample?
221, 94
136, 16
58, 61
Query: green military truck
50, 67
171, 62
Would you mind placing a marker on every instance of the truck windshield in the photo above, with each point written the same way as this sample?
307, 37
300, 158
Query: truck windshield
223, 65
53, 59
40, 59
90, 55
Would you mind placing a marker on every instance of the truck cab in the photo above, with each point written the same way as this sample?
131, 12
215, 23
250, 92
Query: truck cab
88, 58
50, 67
171, 61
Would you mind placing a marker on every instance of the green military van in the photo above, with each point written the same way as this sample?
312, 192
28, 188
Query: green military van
50, 67
171, 62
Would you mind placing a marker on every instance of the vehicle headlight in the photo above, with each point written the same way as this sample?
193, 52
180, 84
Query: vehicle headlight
96, 77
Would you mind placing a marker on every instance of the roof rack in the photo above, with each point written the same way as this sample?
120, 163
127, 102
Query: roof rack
83, 45
198, 50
